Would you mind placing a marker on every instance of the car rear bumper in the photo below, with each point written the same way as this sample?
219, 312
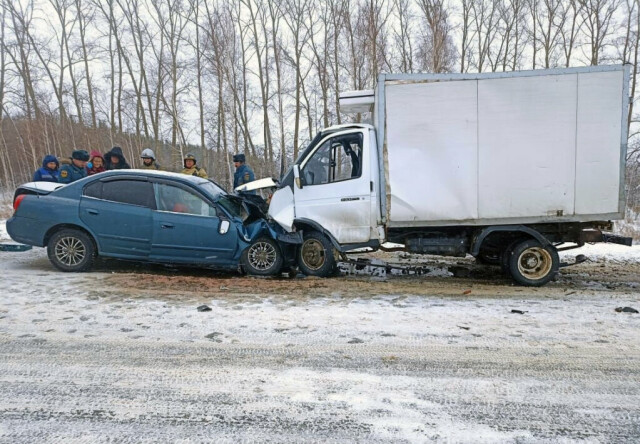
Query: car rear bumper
26, 231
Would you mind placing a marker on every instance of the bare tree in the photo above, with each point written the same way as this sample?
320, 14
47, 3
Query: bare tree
467, 35
570, 30
403, 34
598, 16
85, 18
436, 50
485, 22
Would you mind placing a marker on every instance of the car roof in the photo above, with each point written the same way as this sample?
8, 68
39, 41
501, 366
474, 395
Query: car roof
154, 173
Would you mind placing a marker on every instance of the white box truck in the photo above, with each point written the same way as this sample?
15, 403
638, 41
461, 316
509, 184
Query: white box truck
508, 167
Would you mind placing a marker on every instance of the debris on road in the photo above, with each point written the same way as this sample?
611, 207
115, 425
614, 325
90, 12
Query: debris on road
518, 311
626, 310
204, 308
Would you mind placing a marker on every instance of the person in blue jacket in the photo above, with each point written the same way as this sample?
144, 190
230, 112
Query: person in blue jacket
49, 171
243, 173
75, 170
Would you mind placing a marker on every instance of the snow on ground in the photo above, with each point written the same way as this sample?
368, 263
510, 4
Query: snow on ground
122, 354
100, 356
610, 252
4, 236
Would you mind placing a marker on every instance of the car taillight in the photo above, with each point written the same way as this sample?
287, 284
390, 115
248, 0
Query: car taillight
16, 203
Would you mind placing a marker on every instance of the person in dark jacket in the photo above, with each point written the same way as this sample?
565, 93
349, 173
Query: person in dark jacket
115, 160
243, 173
49, 172
75, 170
96, 163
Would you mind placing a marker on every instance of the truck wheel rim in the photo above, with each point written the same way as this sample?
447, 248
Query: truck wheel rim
313, 254
70, 251
535, 263
262, 256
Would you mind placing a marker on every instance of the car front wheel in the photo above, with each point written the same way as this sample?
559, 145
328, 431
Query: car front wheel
263, 257
71, 250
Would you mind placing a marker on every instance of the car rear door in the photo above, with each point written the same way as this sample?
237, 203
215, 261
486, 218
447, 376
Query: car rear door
118, 212
187, 228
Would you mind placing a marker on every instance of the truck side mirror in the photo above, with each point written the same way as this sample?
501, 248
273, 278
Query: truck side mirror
296, 175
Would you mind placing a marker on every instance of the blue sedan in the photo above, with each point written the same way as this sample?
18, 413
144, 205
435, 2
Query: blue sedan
146, 216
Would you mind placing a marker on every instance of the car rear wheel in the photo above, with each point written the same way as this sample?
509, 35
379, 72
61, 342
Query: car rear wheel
263, 257
317, 256
533, 264
71, 250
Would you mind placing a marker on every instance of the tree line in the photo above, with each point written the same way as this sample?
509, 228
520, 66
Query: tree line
216, 77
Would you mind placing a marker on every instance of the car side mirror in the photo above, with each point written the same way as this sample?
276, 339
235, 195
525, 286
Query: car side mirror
224, 227
296, 175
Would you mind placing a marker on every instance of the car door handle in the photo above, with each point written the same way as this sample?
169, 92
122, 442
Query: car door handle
167, 226
92, 211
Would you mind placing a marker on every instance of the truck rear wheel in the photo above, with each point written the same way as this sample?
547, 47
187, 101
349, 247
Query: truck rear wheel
316, 255
532, 264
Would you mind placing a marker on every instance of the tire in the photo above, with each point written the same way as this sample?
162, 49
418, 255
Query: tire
505, 256
316, 255
532, 264
262, 258
489, 256
71, 250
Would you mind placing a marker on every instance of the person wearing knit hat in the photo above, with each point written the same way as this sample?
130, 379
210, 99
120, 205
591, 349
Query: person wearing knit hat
76, 170
96, 163
49, 171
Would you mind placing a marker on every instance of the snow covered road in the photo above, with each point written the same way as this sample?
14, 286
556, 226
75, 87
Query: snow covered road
122, 354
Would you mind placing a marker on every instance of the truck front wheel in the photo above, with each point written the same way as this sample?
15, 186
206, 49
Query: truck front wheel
532, 264
316, 256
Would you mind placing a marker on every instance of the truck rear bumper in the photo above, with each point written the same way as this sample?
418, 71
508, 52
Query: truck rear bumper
595, 235
615, 239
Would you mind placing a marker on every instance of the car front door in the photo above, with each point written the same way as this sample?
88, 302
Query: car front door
118, 213
336, 191
189, 229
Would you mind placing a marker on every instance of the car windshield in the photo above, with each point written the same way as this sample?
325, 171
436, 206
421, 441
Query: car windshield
212, 189
233, 205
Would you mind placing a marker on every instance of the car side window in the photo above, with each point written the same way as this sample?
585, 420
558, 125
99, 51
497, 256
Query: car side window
94, 189
178, 200
132, 192
337, 159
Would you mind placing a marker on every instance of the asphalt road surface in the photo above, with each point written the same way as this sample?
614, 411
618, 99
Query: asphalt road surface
122, 354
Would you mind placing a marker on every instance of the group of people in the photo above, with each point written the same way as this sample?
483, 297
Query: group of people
82, 164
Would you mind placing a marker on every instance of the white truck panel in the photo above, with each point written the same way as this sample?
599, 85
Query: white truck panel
432, 150
598, 159
527, 147
527, 130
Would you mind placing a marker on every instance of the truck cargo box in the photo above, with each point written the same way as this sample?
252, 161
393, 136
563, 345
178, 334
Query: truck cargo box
520, 147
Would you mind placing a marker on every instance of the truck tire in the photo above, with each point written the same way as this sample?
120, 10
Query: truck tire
262, 258
532, 264
489, 256
316, 255
71, 250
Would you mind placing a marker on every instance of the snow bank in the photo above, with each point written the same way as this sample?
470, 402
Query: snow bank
4, 236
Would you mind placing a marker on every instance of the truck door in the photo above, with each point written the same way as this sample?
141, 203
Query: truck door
336, 189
